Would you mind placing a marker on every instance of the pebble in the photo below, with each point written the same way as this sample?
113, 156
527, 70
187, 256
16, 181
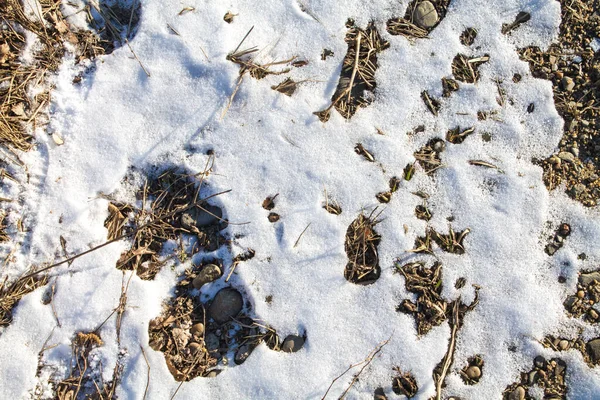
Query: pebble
213, 373
560, 367
566, 156
292, 344
439, 146
209, 273
212, 341
425, 15
563, 345
539, 362
567, 84
195, 347
242, 354
473, 372
227, 304
379, 394
593, 348
592, 314
197, 329
578, 189
517, 394
586, 279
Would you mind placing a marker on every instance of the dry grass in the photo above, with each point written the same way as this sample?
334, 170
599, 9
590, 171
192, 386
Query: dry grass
361, 248
466, 69
20, 112
171, 196
357, 79
11, 294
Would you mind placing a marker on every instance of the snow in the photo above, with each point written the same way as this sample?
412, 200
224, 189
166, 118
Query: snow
267, 143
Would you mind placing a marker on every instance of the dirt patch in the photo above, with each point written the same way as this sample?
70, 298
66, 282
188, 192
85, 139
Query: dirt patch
361, 248
573, 65
548, 375
357, 83
452, 242
583, 302
466, 69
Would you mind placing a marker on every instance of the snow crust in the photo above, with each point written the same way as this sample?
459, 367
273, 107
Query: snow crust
267, 143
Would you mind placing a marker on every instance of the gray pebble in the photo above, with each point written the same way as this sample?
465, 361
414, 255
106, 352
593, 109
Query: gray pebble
197, 329
567, 84
242, 354
586, 279
539, 362
566, 156
563, 345
209, 273
426, 15
197, 218
227, 304
292, 344
212, 341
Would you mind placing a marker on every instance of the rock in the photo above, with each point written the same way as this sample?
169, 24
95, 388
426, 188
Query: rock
213, 373
517, 394
196, 217
209, 273
212, 342
560, 367
195, 347
473, 372
197, 329
586, 279
566, 156
578, 189
563, 345
425, 15
593, 349
242, 353
273, 217
227, 304
439, 146
292, 344
567, 84
539, 362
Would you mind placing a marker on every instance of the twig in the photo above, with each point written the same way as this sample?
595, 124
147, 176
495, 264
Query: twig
356, 60
148, 379
366, 362
299, 237
448, 358
136, 57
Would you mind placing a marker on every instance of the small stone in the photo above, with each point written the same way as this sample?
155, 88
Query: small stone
566, 156
292, 344
587, 279
575, 151
227, 304
426, 15
197, 329
473, 372
212, 341
581, 294
578, 189
213, 373
593, 348
533, 376
567, 84
563, 345
592, 314
517, 394
195, 348
539, 362
209, 273
242, 354
560, 367
439, 146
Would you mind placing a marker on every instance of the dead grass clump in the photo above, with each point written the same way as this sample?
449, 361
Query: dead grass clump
456, 136
404, 383
467, 38
287, 87
430, 308
3, 225
466, 69
361, 248
432, 104
11, 294
174, 209
357, 79
452, 242
428, 157
85, 380
409, 25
